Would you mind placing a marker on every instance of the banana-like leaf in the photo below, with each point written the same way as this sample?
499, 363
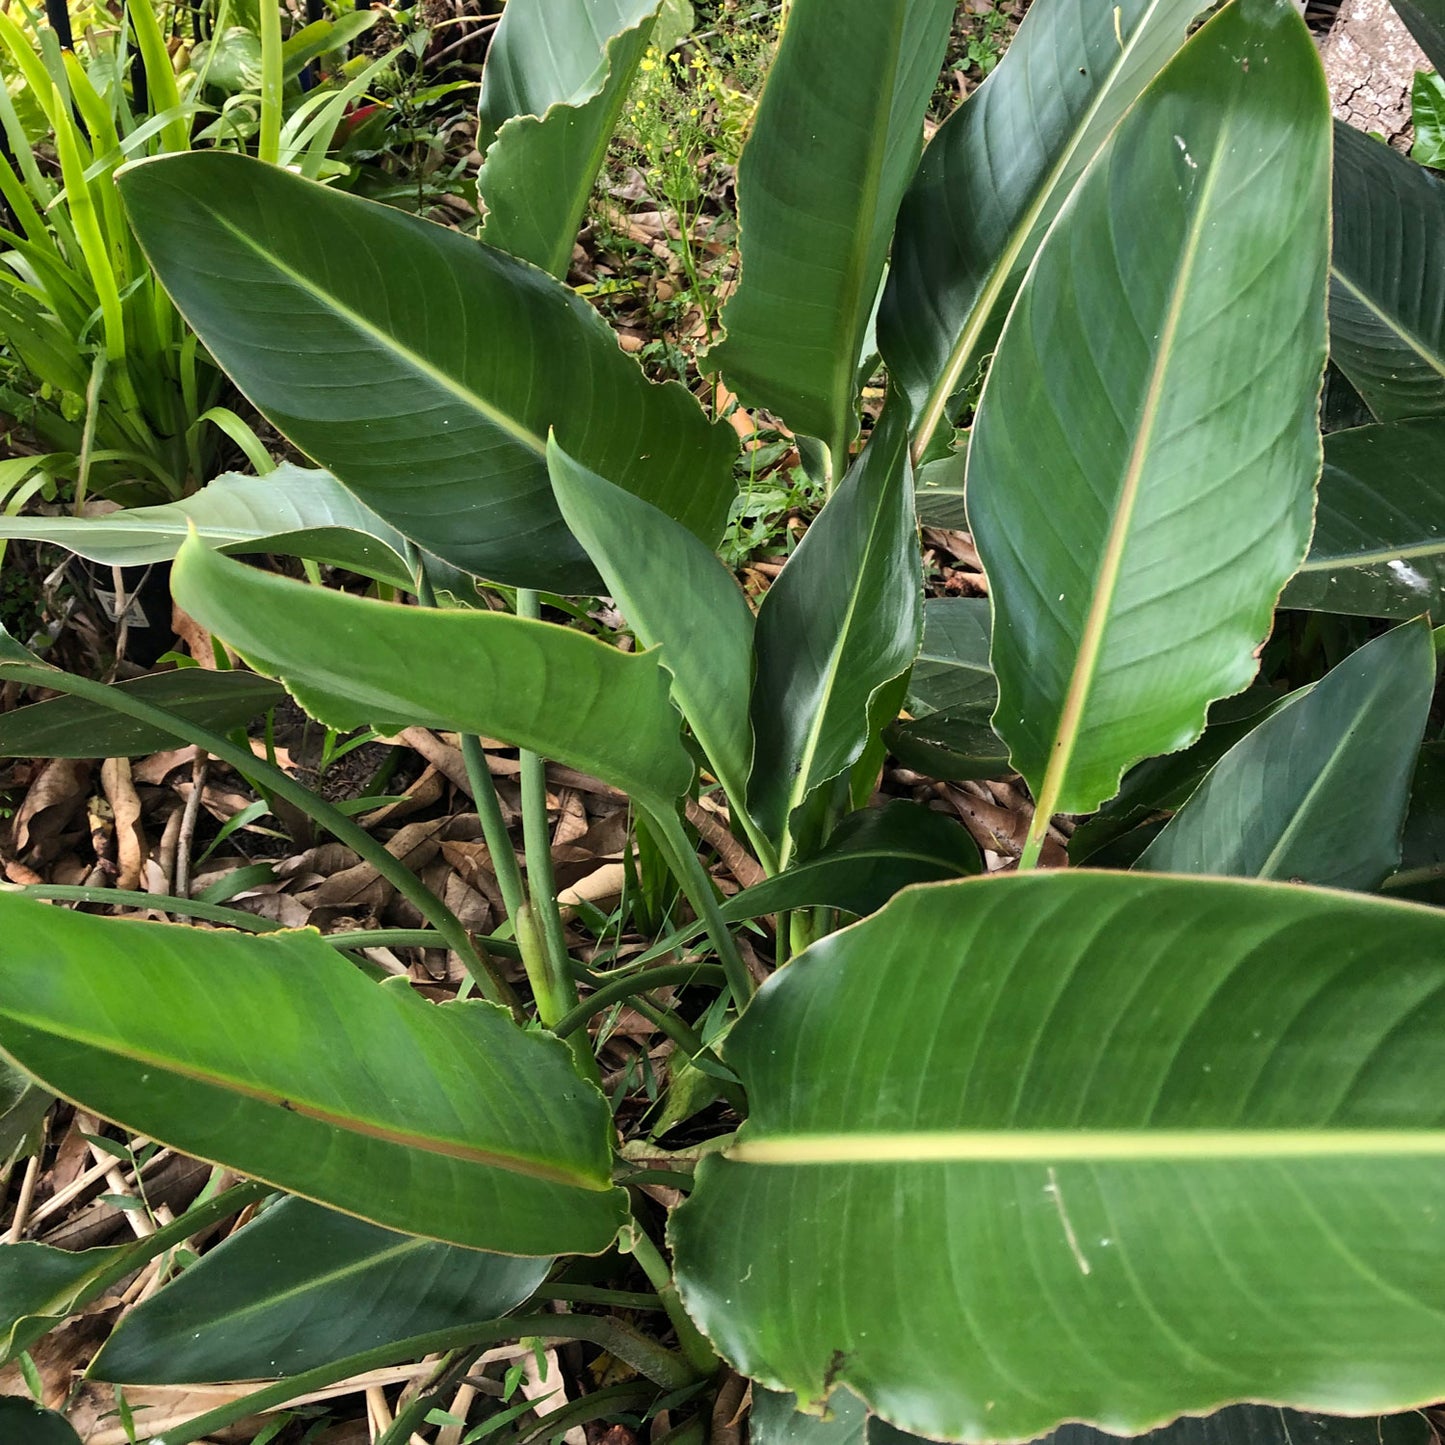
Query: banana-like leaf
952, 670
303, 1286
23, 1107
294, 511
20, 1420
995, 175
843, 620
1426, 21
1157, 383
1379, 541
1318, 792
776, 1420
938, 488
1422, 848
1159, 786
953, 745
837, 136
350, 661
420, 366
679, 597
869, 856
556, 76
272, 1055
1387, 278
1104, 1147
72, 727
40, 1286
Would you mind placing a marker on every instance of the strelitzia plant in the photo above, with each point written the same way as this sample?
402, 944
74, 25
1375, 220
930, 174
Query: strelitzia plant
1009, 1151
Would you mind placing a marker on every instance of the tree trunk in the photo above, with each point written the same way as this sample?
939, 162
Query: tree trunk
1371, 60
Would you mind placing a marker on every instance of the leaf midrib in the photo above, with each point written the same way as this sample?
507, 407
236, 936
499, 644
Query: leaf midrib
1081, 680
1339, 560
513, 1163
983, 307
1391, 322
1141, 1145
387, 342
803, 782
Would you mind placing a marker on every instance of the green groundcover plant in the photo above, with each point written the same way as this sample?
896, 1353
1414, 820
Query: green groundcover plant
1092, 1145
97, 365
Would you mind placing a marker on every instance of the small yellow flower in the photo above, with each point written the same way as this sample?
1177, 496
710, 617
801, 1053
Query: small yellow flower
648, 63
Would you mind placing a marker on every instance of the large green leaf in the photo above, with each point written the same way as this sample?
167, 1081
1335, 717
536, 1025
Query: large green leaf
1159, 786
272, 1055
995, 175
1317, 793
294, 511
869, 856
41, 1285
677, 596
1387, 278
71, 727
22, 1421
776, 1420
952, 670
954, 745
556, 76
843, 619
837, 136
1426, 20
420, 366
1103, 1147
303, 1286
1158, 383
1379, 543
350, 661
23, 1107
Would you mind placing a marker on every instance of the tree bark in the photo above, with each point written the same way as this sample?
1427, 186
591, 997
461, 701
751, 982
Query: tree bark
1371, 59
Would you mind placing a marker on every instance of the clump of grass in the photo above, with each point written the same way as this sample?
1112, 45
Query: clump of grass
676, 151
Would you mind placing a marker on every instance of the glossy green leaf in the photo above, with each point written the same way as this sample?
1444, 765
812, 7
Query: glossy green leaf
995, 175
1105, 1147
939, 491
952, 669
953, 745
351, 662
272, 1055
676, 595
421, 367
71, 727
1317, 793
1427, 115
556, 76
837, 135
1159, 786
870, 855
22, 1421
1426, 21
1387, 278
1157, 384
293, 511
23, 1107
302, 1286
843, 619
776, 1420
1379, 542
1422, 847
41, 1285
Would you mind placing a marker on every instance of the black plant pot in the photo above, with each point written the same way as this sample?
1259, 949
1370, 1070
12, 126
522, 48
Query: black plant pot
143, 595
